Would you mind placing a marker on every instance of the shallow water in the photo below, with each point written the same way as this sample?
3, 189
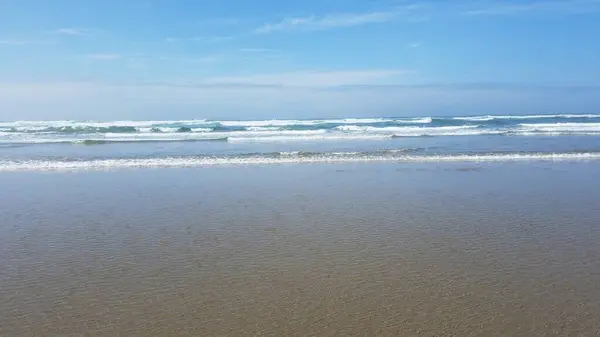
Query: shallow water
464, 249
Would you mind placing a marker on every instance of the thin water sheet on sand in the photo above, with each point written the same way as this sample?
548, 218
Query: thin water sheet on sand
430, 249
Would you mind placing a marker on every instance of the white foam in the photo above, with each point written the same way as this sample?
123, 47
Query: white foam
564, 127
308, 138
425, 120
168, 134
290, 153
164, 129
284, 122
159, 135
16, 124
29, 128
359, 120
264, 128
40, 125
408, 130
172, 126
111, 164
417, 131
450, 132
263, 136
265, 123
257, 134
554, 133
492, 117
421, 130
266, 134
351, 128
147, 125
275, 130
100, 140
475, 119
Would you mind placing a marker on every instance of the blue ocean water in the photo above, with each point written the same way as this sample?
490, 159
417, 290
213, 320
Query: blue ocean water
72, 145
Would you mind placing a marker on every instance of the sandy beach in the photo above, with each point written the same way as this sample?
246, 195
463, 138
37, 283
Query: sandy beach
449, 249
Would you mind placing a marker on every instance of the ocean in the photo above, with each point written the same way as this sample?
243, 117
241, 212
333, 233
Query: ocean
76, 145
448, 226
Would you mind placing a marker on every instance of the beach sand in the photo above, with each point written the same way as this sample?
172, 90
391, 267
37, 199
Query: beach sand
497, 249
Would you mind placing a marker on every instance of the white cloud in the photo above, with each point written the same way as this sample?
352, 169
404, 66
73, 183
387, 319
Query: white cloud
414, 45
554, 6
190, 59
328, 21
71, 31
202, 59
258, 50
424, 11
309, 79
16, 42
104, 57
203, 39
419, 12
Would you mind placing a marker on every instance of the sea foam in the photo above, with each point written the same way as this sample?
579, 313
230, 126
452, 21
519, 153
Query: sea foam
289, 158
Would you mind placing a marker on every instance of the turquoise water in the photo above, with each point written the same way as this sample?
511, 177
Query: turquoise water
51, 145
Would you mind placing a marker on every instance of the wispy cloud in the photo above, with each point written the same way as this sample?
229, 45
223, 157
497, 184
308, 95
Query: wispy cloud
191, 59
312, 79
408, 12
414, 45
104, 57
144, 61
258, 50
199, 39
71, 31
327, 22
203, 59
424, 11
17, 42
554, 6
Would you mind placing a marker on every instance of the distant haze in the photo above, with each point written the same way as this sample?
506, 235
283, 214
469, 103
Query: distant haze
118, 102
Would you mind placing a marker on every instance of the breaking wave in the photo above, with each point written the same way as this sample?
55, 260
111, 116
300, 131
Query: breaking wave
94, 132
519, 117
400, 156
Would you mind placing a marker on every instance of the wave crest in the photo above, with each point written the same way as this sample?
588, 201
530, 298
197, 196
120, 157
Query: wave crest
293, 158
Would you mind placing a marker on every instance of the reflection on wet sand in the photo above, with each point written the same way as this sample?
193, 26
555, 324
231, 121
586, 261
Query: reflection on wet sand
314, 253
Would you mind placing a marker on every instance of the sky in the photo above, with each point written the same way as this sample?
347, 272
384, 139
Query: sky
242, 59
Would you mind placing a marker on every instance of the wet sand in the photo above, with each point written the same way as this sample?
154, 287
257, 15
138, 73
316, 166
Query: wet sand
303, 250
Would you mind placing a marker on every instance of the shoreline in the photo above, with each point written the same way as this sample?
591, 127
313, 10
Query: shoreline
286, 159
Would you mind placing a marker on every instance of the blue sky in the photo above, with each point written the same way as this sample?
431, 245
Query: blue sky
141, 59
